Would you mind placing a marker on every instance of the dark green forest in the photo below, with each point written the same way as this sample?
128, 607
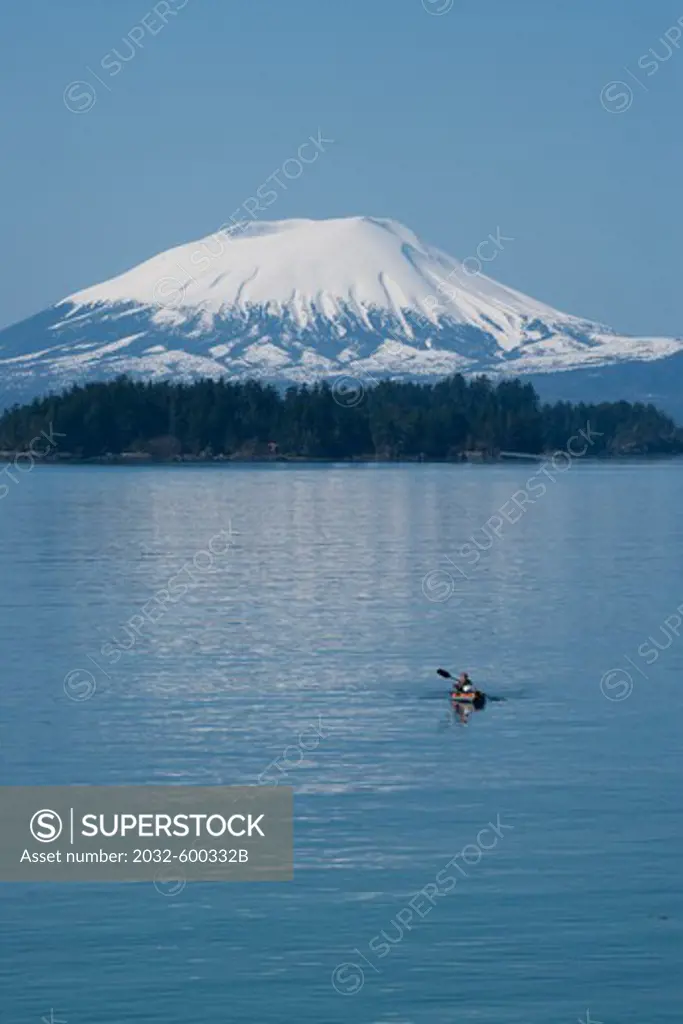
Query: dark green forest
221, 418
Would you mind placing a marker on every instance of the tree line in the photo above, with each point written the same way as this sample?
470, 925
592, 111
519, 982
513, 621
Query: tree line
342, 420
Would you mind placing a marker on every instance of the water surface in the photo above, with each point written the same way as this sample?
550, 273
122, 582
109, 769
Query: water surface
327, 616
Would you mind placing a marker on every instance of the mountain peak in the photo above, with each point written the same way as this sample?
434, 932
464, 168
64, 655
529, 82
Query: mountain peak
302, 299
317, 266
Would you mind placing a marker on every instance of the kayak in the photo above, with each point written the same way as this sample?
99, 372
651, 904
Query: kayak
477, 698
474, 697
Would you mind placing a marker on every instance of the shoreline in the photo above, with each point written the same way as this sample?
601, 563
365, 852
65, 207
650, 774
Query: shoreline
8, 458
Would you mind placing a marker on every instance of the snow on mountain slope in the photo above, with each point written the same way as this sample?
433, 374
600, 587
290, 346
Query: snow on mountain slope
307, 266
299, 300
306, 269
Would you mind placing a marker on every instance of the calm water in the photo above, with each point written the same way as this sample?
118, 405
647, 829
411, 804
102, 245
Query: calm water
318, 618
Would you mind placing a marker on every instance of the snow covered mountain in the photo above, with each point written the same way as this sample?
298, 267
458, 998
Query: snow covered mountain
298, 300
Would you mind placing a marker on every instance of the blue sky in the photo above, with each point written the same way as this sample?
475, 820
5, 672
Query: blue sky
485, 117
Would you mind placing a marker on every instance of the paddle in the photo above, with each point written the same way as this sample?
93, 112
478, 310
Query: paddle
446, 675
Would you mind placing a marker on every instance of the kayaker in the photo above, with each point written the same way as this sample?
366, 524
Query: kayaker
464, 684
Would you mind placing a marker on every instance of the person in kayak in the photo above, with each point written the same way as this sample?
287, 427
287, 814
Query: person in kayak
464, 683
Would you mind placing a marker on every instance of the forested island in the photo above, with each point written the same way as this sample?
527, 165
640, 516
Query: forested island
221, 419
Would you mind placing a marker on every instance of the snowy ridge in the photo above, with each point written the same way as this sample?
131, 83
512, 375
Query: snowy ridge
302, 299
